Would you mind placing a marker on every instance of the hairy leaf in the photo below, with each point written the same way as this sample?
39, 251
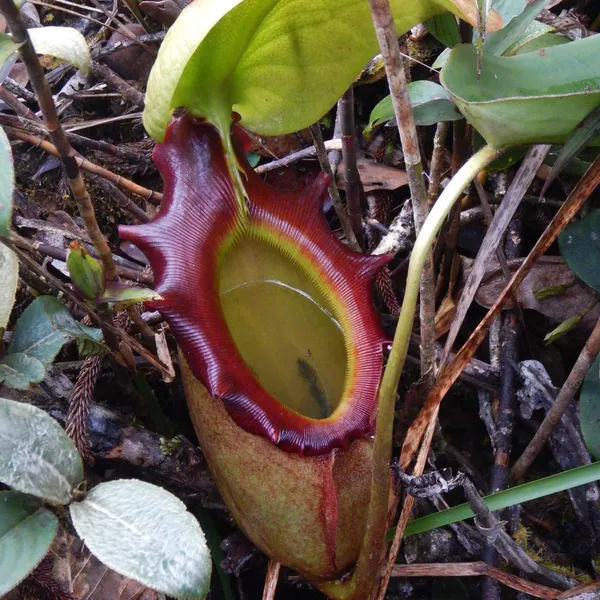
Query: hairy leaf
538, 97
145, 533
26, 532
18, 371
9, 276
36, 456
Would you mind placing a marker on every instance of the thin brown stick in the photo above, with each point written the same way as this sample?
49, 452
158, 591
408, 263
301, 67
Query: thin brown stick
334, 193
286, 161
448, 376
16, 105
387, 36
477, 569
148, 38
271, 580
113, 81
63, 148
86, 165
352, 181
437, 161
563, 399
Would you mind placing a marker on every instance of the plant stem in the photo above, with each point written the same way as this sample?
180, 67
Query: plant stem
334, 193
387, 36
437, 161
351, 177
516, 495
57, 134
368, 562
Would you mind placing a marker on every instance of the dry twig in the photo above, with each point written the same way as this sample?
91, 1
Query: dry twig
271, 580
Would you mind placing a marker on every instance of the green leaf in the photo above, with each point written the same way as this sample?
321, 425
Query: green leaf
546, 40
26, 533
8, 51
532, 98
500, 41
579, 244
535, 30
440, 61
430, 101
587, 131
7, 182
562, 328
36, 456
509, 9
261, 57
589, 409
9, 276
45, 326
145, 533
444, 28
86, 272
18, 371
65, 43
253, 158
126, 295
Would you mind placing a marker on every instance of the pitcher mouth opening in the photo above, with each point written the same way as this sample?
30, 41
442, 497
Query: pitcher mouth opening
273, 313
284, 327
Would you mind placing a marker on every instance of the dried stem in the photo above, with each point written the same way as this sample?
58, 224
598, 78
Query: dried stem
387, 36
116, 83
334, 193
351, 177
564, 397
437, 161
57, 134
333, 145
477, 569
271, 580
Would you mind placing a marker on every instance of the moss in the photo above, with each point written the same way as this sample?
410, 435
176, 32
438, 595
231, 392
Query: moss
169, 446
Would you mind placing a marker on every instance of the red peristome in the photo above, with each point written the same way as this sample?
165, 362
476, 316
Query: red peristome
198, 214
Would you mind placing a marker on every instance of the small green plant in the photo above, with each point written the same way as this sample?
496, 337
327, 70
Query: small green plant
139, 530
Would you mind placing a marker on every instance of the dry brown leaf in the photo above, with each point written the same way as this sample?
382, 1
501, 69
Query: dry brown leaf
375, 176
548, 271
444, 316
